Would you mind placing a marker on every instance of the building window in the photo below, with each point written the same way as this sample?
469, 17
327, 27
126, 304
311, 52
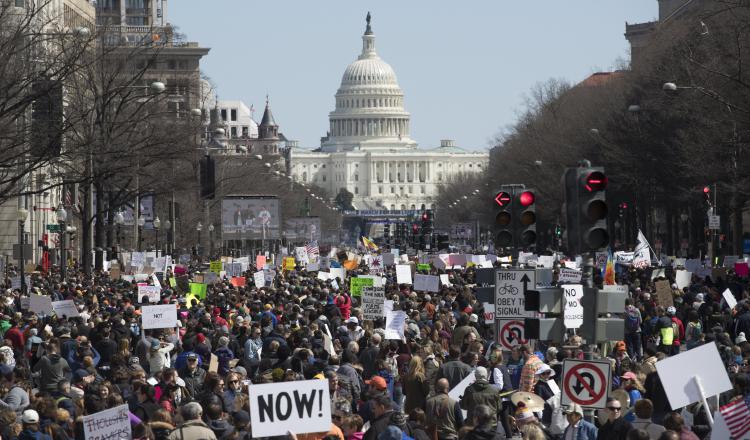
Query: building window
421, 189
380, 190
393, 207
323, 166
233, 114
393, 190
356, 177
440, 177
356, 190
411, 190
172, 65
304, 176
315, 166
403, 207
324, 177
245, 132
422, 208
413, 207
223, 114
400, 189
233, 131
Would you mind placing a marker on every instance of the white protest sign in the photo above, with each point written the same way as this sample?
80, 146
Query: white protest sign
373, 301
299, 406
111, 423
682, 278
403, 274
323, 275
569, 275
389, 259
159, 316
458, 391
678, 373
729, 298
489, 313
395, 321
259, 278
337, 272
426, 283
546, 261
153, 293
155, 280
40, 304
313, 267
624, 258
387, 306
573, 314
66, 308
445, 279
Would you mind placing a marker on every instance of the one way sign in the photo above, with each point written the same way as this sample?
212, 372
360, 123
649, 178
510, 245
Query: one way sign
586, 383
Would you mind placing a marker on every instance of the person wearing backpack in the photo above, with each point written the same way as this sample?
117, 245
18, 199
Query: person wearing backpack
664, 331
633, 321
678, 328
694, 330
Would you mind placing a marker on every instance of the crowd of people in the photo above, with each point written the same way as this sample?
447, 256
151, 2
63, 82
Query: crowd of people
192, 381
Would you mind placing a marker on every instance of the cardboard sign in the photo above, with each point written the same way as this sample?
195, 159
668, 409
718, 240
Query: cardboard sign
66, 308
299, 406
238, 281
425, 267
357, 283
664, 296
152, 293
337, 272
395, 322
677, 375
159, 316
682, 278
259, 279
489, 313
213, 364
426, 283
111, 423
373, 302
403, 274
572, 305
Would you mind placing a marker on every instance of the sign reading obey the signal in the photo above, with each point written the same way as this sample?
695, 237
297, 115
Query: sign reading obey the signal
299, 406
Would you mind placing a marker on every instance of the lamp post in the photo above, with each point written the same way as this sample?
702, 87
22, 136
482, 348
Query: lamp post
157, 225
685, 233
23, 214
199, 228
168, 228
210, 239
119, 221
62, 216
141, 221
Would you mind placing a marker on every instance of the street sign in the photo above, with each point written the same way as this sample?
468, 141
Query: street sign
585, 383
714, 222
511, 333
53, 227
510, 287
572, 306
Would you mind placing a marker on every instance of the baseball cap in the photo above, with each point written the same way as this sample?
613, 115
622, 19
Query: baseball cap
30, 416
378, 382
574, 408
352, 320
192, 356
543, 369
629, 375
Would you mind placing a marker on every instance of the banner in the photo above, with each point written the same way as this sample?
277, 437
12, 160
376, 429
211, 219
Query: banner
250, 218
159, 316
569, 275
153, 293
373, 302
65, 309
299, 407
403, 274
112, 423
199, 290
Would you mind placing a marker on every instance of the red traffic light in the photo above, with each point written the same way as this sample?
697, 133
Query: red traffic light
596, 181
503, 199
526, 198
415, 227
706, 190
425, 217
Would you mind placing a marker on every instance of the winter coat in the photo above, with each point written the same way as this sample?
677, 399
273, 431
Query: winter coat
478, 393
52, 370
193, 430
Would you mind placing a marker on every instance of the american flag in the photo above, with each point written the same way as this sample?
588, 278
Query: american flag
737, 417
312, 249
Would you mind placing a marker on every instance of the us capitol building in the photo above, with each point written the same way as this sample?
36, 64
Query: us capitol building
368, 149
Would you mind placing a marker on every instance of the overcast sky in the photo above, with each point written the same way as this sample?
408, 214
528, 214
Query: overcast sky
465, 67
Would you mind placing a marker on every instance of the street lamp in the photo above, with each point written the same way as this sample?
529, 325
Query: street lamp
157, 224
119, 221
199, 228
210, 239
168, 227
141, 222
23, 214
62, 216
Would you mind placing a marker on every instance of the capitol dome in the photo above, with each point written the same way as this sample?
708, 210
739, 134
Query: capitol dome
369, 110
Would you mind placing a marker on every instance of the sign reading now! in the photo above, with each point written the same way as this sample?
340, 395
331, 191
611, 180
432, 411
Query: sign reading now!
299, 406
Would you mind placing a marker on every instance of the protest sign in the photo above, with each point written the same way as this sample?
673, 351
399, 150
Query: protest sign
729, 298
215, 267
238, 281
301, 406
426, 283
289, 263
658, 273
323, 275
403, 274
337, 272
489, 313
664, 296
65, 309
373, 302
389, 259
425, 267
260, 261
259, 279
682, 278
445, 279
152, 293
569, 275
395, 322
357, 283
546, 261
678, 375
313, 266
692, 265
111, 423
159, 316
233, 269
198, 290
40, 304
741, 269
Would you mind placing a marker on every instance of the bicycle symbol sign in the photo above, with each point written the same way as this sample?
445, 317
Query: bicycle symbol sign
510, 286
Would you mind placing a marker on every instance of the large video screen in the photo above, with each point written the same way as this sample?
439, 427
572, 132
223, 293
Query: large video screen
302, 228
250, 218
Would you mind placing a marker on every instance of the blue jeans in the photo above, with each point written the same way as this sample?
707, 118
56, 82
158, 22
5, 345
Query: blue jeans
633, 343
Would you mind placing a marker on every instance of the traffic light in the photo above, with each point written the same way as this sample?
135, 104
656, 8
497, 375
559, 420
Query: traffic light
504, 219
208, 177
550, 302
387, 233
707, 194
585, 209
427, 229
525, 229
